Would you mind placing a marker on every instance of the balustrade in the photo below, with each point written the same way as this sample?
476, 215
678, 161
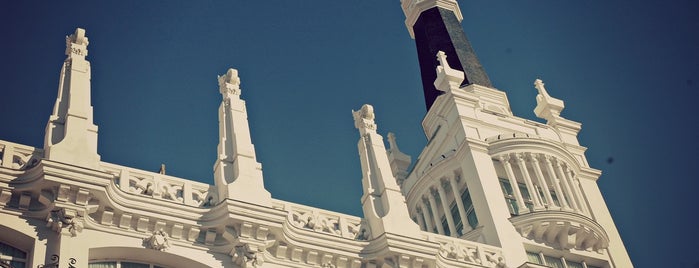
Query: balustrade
17, 156
163, 187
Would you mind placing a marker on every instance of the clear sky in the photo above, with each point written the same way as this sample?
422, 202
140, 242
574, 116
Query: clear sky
627, 70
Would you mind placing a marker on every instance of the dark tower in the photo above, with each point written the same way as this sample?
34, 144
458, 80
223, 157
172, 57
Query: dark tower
436, 25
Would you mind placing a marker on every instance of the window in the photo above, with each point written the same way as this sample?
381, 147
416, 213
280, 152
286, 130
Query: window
554, 262
457, 219
572, 264
121, 264
12, 256
468, 206
534, 257
445, 226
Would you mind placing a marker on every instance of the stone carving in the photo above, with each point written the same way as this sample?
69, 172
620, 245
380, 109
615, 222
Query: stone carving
455, 251
158, 241
171, 190
77, 43
17, 158
495, 260
329, 223
313, 221
65, 218
229, 83
364, 118
244, 256
468, 252
328, 265
203, 198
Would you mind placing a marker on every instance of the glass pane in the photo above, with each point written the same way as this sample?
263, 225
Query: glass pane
506, 187
457, 219
534, 257
134, 265
108, 264
572, 264
11, 251
554, 262
472, 219
445, 226
18, 264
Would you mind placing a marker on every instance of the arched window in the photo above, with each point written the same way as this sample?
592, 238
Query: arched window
12, 257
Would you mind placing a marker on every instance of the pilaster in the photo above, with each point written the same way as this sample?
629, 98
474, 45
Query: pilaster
237, 174
488, 202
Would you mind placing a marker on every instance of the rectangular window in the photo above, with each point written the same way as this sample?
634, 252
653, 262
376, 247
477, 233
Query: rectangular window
445, 226
509, 196
534, 257
457, 219
108, 264
134, 265
554, 262
468, 205
572, 264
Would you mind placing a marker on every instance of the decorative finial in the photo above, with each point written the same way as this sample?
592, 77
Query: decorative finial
547, 107
539, 85
442, 58
229, 83
364, 118
76, 43
447, 78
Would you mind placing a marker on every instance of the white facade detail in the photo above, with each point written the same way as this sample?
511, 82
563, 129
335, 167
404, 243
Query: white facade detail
71, 136
413, 8
489, 189
237, 173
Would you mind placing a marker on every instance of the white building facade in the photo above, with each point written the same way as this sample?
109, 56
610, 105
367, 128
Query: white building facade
490, 189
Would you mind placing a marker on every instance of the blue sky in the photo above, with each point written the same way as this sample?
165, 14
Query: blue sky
627, 70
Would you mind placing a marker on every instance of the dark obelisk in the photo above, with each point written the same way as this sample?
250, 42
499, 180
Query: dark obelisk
436, 25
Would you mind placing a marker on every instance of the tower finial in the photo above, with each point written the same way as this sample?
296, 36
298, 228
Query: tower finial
547, 107
383, 203
237, 174
447, 78
71, 136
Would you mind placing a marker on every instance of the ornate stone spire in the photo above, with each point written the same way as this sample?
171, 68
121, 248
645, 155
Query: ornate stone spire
237, 174
71, 136
436, 26
383, 203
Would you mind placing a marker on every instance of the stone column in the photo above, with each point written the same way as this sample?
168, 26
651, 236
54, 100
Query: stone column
435, 216
533, 193
542, 181
575, 189
505, 160
556, 183
420, 220
459, 204
566, 187
426, 215
447, 209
